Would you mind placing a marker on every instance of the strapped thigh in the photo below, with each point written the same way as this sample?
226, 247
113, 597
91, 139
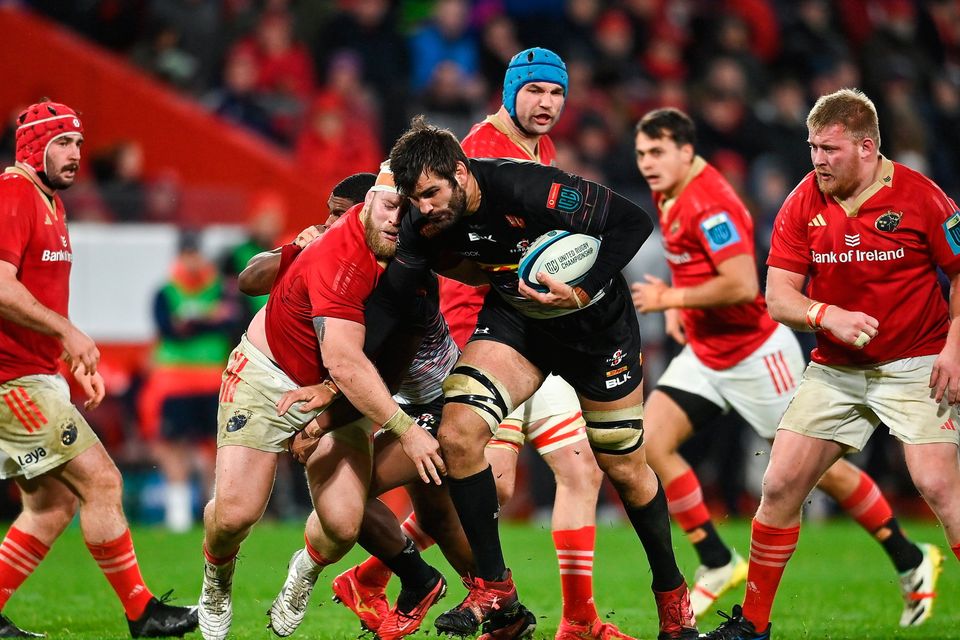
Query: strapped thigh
616, 431
480, 391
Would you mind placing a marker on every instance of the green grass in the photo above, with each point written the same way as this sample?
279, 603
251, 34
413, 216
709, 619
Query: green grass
839, 585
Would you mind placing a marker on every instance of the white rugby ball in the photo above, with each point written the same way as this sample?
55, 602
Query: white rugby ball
563, 255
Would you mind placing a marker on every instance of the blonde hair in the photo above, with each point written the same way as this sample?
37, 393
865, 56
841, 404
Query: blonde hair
851, 109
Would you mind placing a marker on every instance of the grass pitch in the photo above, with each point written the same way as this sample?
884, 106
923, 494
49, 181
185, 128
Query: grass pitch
840, 584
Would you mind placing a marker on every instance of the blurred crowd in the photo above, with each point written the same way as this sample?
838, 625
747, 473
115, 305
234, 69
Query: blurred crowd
332, 83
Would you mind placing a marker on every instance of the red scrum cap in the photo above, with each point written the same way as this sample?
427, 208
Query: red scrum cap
38, 126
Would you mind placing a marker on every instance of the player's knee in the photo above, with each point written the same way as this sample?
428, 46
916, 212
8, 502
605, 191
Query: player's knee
615, 431
779, 489
937, 489
479, 392
104, 486
233, 518
576, 470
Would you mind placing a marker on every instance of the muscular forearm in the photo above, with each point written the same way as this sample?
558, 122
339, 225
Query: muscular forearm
720, 291
790, 307
259, 274
628, 226
18, 305
359, 380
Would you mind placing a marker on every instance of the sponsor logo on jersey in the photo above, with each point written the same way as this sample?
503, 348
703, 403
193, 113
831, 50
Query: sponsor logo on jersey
951, 228
564, 198
32, 457
516, 222
889, 221
68, 434
481, 331
817, 221
522, 246
719, 231
856, 255
851, 240
616, 371
56, 256
949, 425
674, 227
616, 358
427, 421
678, 258
64, 240
476, 237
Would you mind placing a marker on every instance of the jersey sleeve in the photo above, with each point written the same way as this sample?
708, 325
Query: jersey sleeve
16, 220
722, 233
564, 201
789, 245
945, 236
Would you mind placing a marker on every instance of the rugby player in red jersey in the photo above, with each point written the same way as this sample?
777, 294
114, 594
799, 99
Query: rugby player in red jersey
869, 234
736, 357
51, 452
534, 91
312, 328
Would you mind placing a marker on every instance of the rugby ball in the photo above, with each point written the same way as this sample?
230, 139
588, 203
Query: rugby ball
563, 255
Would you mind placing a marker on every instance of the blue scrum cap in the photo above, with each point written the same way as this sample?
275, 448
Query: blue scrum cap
531, 65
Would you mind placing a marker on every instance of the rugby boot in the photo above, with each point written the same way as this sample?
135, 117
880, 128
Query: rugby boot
10, 630
412, 606
216, 606
509, 623
712, 582
736, 627
161, 620
483, 597
595, 630
677, 621
918, 585
369, 603
290, 606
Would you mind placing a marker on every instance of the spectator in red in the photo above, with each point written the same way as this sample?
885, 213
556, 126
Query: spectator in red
334, 143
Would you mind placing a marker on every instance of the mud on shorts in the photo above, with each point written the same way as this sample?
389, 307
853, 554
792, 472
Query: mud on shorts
250, 388
845, 404
596, 350
554, 399
40, 428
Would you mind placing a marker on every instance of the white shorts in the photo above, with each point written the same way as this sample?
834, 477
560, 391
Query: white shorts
759, 387
556, 404
845, 404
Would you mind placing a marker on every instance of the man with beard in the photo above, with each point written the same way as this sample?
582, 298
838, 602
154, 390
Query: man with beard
485, 211
54, 456
534, 91
312, 328
869, 234
735, 357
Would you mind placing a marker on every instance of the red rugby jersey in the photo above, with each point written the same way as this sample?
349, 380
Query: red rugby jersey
331, 277
703, 226
459, 303
879, 259
34, 238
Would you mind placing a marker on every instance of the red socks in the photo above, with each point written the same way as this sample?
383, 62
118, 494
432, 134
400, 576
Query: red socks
20, 554
575, 555
867, 505
770, 550
118, 561
685, 501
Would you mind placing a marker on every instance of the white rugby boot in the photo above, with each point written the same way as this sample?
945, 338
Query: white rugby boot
290, 606
712, 582
215, 610
917, 587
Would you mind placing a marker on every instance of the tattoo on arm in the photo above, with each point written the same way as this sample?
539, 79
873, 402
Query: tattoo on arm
319, 326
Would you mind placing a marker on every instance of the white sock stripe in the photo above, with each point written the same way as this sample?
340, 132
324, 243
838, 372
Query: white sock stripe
122, 558
33, 558
754, 545
578, 562
766, 563
575, 572
585, 553
118, 569
15, 563
867, 503
687, 502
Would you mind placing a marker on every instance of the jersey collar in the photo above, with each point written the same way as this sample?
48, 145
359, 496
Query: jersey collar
885, 179
47, 199
524, 145
696, 168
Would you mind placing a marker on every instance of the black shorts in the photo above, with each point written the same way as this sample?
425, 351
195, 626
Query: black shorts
427, 415
596, 350
192, 417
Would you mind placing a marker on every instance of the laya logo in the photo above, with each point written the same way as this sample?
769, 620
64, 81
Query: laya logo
564, 198
719, 231
951, 229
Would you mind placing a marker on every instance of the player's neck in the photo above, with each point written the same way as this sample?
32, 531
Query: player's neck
871, 172
474, 195
28, 171
526, 140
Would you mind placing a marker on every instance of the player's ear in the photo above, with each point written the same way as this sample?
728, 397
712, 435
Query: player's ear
461, 174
